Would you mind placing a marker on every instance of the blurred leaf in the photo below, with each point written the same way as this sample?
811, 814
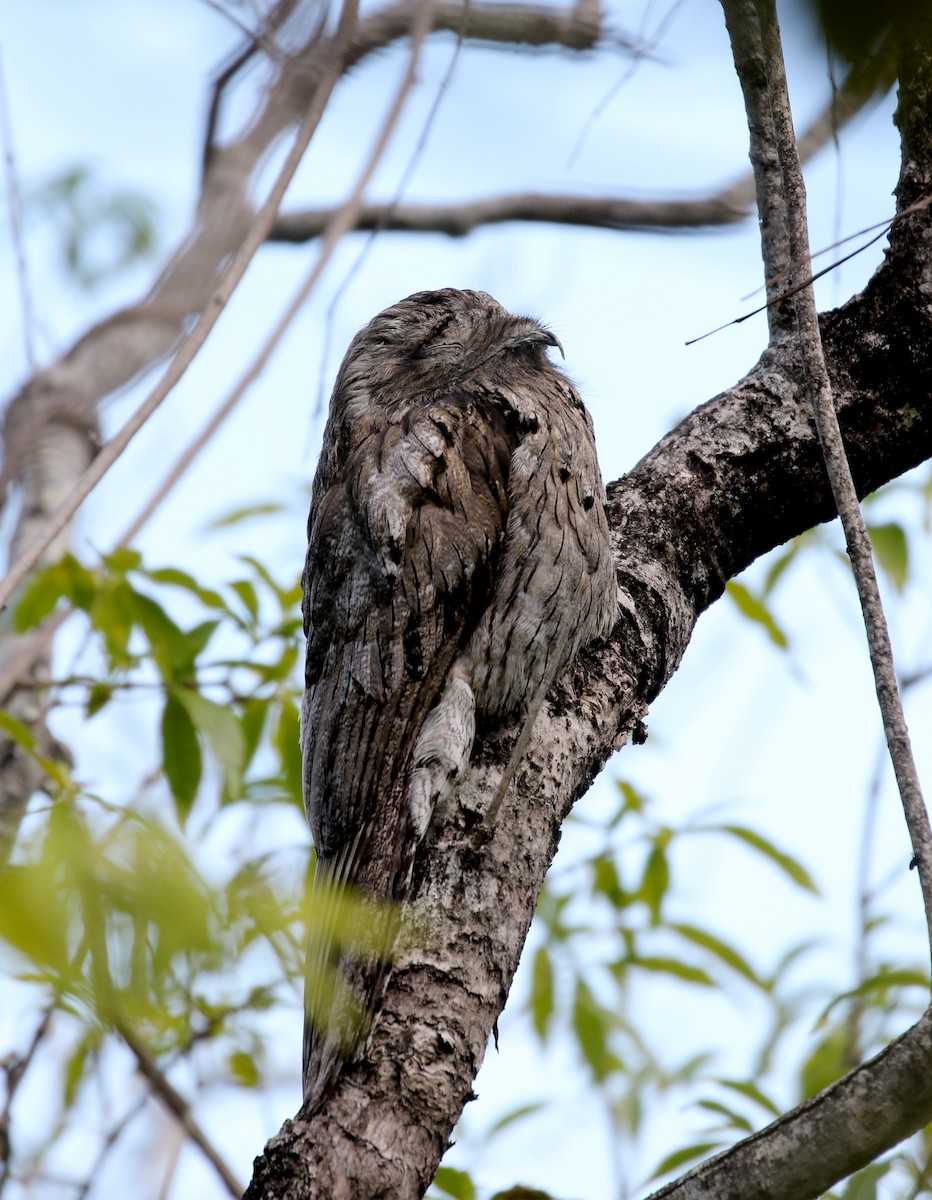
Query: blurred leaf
892, 551
99, 695
67, 578
780, 564
253, 716
655, 881
103, 230
679, 1158
221, 728
756, 610
58, 772
746, 1088
243, 1069
541, 1000
719, 948
515, 1115
591, 1024
76, 1063
787, 864
34, 918
632, 802
734, 1119
166, 640
288, 745
455, 1183
181, 754
863, 1185
879, 985
247, 593
246, 513
675, 967
173, 577
827, 1062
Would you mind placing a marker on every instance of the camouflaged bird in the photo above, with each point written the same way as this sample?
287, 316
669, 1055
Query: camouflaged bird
458, 559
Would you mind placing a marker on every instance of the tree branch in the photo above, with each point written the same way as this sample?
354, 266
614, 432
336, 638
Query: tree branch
728, 206
792, 200
739, 476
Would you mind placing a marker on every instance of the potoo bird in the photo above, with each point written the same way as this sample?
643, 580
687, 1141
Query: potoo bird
458, 559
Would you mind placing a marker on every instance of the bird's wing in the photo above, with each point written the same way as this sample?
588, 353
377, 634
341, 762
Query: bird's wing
404, 542
403, 547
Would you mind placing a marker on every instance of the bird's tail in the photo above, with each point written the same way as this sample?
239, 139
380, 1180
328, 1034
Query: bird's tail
348, 967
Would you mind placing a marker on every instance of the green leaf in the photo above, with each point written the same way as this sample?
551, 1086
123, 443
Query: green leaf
38, 601
77, 1063
253, 716
515, 1115
827, 1062
655, 881
591, 1024
744, 1087
457, 1184
224, 735
863, 1185
288, 745
633, 801
673, 966
541, 1001
99, 695
243, 1069
166, 641
181, 754
720, 949
123, 560
780, 564
34, 918
173, 577
246, 513
24, 738
680, 1157
879, 985
891, 549
755, 610
789, 865
734, 1119
247, 593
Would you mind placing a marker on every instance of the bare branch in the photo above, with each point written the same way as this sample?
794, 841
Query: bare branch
777, 167
19, 251
341, 222
187, 351
728, 206
179, 1108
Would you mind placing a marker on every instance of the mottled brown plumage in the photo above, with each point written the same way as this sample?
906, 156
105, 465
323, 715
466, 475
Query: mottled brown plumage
458, 558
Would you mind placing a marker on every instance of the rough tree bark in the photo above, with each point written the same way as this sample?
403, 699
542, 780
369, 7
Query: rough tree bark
740, 475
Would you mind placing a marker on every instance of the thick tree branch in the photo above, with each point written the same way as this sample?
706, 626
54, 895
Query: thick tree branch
739, 476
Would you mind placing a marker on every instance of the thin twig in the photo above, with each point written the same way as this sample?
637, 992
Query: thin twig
16, 228
342, 221
379, 226
15, 1068
778, 126
190, 346
177, 1106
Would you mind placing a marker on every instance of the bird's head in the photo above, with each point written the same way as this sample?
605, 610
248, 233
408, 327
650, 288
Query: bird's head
427, 343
